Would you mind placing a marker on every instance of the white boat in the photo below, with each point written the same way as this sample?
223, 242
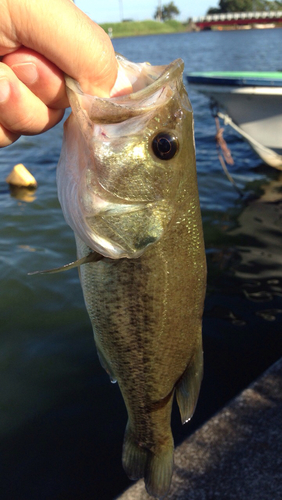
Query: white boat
251, 102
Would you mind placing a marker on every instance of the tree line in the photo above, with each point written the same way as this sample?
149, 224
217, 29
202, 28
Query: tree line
245, 6
166, 12
170, 10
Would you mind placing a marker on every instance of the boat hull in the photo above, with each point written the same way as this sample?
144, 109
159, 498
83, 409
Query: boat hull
255, 110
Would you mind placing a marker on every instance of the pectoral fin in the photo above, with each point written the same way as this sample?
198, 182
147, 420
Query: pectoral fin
188, 387
91, 257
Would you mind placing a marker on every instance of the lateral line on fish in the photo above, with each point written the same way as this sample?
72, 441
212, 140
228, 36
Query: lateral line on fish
91, 257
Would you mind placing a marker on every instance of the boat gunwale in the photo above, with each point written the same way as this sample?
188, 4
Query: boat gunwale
237, 79
209, 88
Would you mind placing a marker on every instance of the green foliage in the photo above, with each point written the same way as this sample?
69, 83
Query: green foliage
214, 10
245, 6
166, 12
169, 11
273, 5
235, 5
132, 28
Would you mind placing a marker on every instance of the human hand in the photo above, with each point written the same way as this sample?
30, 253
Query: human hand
39, 42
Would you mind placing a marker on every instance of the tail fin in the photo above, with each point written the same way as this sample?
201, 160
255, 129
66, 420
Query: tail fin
158, 473
134, 457
156, 468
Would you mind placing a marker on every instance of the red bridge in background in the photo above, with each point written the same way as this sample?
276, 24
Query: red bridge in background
238, 18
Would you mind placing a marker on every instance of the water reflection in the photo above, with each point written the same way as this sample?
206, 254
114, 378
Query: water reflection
23, 193
258, 237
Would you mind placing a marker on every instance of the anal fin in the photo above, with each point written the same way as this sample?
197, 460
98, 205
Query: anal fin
188, 387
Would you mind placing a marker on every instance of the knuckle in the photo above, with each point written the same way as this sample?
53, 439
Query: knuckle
7, 137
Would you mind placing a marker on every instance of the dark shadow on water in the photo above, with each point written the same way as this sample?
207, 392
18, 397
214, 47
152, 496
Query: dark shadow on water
71, 452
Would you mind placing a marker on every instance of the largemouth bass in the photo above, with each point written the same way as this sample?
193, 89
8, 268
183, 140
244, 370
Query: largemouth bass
128, 189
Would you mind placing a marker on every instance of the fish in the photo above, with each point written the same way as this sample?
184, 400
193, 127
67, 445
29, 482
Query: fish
127, 185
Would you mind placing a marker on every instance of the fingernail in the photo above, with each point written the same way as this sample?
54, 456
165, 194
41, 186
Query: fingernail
26, 72
4, 90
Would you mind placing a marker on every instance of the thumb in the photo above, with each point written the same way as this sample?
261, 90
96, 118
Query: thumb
62, 33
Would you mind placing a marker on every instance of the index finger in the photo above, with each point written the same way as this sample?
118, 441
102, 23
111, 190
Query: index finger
62, 33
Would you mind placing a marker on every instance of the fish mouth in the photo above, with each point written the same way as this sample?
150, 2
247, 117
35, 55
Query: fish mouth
151, 89
113, 222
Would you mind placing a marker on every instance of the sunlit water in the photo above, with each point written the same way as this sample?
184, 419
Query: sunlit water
61, 421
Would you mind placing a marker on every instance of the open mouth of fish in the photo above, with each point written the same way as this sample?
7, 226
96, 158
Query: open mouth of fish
101, 148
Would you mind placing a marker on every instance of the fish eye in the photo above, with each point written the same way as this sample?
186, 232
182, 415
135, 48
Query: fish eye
165, 146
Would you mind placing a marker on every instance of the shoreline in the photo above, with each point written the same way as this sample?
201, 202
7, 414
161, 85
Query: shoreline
143, 28
128, 29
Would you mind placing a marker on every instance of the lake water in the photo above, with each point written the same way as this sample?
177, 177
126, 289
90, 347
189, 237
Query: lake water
61, 421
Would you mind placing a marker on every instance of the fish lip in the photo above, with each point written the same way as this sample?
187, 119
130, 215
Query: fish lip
121, 108
168, 73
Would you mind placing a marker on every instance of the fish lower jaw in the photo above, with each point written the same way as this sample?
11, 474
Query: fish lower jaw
107, 248
120, 237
